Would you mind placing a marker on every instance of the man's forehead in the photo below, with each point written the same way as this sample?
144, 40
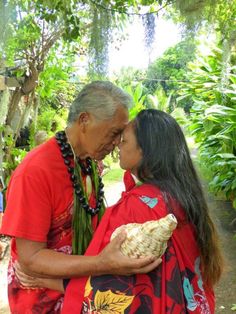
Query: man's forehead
119, 125
118, 129
121, 114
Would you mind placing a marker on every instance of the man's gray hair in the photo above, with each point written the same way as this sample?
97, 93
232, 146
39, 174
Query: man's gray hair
101, 98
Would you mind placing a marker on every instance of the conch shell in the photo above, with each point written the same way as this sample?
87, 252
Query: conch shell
147, 239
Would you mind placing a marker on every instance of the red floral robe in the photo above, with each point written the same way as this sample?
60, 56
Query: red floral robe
175, 287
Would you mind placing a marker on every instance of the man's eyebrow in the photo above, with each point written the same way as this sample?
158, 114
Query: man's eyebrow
117, 130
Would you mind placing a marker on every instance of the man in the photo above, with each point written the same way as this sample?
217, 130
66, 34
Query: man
41, 210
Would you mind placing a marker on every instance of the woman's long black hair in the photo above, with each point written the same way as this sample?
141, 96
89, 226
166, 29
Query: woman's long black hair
167, 163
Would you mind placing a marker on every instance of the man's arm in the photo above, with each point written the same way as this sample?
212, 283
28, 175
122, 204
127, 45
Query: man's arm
36, 260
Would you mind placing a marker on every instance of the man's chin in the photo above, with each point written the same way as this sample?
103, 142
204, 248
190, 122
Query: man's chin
101, 156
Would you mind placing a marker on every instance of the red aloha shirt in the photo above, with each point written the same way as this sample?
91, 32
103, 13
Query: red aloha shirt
39, 208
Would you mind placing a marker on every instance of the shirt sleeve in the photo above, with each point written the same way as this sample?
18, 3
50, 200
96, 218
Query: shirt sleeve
28, 211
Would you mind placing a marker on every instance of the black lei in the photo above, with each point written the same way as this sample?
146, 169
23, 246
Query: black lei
82, 227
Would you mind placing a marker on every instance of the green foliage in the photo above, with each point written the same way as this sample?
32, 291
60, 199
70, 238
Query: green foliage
213, 117
193, 12
233, 307
51, 120
7, 13
98, 47
168, 71
16, 155
113, 175
55, 87
138, 96
35, 32
129, 79
41, 56
62, 12
159, 100
220, 14
131, 6
128, 76
142, 99
180, 117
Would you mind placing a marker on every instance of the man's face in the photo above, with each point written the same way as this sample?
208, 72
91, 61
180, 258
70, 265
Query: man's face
101, 136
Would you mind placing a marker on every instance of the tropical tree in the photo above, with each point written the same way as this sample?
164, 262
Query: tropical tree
213, 119
32, 29
25, 53
168, 71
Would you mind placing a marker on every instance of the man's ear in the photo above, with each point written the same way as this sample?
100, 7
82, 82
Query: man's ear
83, 120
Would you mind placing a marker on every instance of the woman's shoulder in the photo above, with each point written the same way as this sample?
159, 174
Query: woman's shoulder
143, 202
146, 189
152, 197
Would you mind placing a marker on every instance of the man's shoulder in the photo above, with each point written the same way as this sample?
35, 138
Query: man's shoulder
47, 149
39, 158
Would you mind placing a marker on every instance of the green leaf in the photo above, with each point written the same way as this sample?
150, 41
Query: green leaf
226, 155
208, 125
233, 307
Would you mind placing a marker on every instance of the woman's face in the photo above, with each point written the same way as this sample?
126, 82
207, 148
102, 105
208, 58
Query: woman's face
130, 153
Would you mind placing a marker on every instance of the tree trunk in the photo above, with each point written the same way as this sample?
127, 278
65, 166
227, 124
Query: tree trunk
17, 110
27, 87
14, 102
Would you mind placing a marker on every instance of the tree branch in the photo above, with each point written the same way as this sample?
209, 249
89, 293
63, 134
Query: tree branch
131, 13
31, 81
48, 43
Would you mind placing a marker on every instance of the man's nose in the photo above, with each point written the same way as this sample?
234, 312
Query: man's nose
117, 140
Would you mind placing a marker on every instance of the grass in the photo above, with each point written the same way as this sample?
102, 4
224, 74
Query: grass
113, 175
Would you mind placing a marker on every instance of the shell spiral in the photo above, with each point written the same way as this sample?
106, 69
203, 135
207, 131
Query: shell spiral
146, 239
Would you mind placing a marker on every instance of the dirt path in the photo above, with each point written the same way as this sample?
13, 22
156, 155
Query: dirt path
222, 214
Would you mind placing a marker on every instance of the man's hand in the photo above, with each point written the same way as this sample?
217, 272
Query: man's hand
38, 261
112, 261
30, 282
25, 280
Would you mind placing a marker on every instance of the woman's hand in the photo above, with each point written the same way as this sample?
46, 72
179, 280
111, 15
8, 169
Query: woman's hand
112, 261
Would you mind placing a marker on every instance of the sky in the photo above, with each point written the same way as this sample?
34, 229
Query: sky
132, 51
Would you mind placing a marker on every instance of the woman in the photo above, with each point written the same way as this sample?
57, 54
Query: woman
153, 149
